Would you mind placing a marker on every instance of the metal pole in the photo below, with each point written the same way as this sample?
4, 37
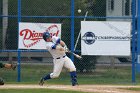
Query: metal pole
80, 32
72, 28
19, 52
133, 39
138, 36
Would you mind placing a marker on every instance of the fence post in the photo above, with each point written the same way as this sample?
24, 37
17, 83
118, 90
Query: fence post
138, 38
19, 19
72, 28
133, 39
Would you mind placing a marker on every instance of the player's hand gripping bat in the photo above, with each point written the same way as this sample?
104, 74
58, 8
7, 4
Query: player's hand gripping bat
68, 51
76, 55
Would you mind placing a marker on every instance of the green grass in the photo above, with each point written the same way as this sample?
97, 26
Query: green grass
133, 89
37, 91
31, 74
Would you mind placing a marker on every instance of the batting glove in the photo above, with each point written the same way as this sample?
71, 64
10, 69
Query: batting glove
66, 49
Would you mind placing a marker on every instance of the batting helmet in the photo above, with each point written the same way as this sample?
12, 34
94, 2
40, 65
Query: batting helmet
46, 35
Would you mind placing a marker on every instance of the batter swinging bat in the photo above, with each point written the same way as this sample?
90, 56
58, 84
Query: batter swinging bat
76, 55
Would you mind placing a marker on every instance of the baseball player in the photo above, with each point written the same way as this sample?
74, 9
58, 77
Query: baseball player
57, 49
8, 66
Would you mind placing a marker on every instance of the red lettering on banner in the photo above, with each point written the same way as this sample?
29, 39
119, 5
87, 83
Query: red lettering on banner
30, 35
54, 34
53, 27
34, 37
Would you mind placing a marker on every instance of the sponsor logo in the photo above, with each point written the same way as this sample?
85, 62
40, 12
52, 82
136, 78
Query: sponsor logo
90, 38
32, 37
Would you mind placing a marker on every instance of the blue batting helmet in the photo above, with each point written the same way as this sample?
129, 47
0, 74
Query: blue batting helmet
46, 35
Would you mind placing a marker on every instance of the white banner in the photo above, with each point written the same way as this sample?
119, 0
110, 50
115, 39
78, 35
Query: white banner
105, 38
30, 34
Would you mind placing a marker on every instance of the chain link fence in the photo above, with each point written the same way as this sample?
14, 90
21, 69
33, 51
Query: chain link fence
34, 63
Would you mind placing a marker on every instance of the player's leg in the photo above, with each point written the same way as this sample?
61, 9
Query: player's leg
70, 65
58, 65
73, 78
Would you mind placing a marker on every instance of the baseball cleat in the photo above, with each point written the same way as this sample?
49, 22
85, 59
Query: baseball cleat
41, 82
74, 82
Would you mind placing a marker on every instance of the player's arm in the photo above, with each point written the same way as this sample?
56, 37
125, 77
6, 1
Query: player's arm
58, 47
62, 43
59, 44
58, 41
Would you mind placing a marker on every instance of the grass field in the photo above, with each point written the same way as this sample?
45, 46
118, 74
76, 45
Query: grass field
103, 77
135, 89
31, 74
36, 91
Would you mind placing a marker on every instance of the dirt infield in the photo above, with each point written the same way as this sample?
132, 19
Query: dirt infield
84, 88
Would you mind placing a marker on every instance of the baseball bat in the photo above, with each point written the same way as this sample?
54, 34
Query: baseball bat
76, 55
67, 50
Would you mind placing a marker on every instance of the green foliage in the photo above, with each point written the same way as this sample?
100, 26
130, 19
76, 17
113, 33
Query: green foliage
45, 7
12, 7
1, 38
0, 6
99, 8
87, 64
1, 26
